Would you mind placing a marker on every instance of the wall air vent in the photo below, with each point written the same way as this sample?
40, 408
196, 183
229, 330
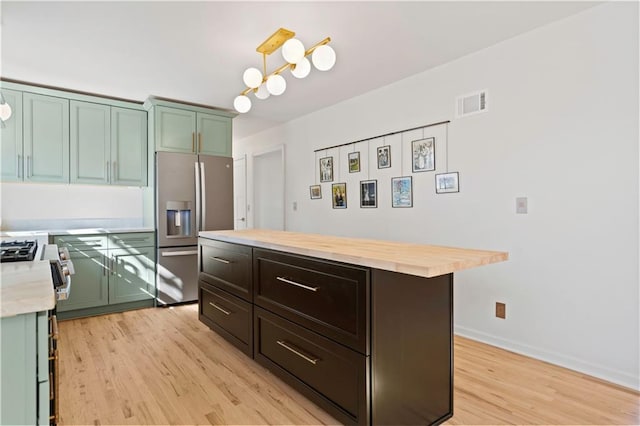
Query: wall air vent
472, 103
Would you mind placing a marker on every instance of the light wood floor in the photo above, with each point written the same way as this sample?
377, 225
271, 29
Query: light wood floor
162, 366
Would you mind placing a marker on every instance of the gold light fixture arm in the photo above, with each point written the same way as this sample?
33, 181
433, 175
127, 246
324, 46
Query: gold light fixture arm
273, 43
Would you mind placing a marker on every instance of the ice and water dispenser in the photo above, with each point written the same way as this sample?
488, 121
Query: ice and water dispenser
179, 218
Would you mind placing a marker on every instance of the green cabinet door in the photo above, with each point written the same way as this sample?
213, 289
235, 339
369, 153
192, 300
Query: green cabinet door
90, 283
18, 363
90, 142
128, 147
175, 130
46, 138
133, 275
214, 135
11, 139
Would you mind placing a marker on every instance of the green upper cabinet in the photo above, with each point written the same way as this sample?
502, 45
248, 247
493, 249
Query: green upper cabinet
11, 139
190, 129
46, 138
108, 145
128, 147
214, 135
90, 142
175, 130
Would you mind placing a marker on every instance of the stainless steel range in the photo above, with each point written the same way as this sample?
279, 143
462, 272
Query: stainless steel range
59, 261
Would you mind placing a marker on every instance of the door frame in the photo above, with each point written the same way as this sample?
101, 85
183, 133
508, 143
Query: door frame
251, 209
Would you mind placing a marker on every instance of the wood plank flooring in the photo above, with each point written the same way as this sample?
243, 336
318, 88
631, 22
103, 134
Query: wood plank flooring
162, 366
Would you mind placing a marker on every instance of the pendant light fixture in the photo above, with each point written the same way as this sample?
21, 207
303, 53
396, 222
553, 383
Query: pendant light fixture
5, 111
262, 85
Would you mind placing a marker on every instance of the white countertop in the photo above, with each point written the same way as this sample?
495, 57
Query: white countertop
25, 287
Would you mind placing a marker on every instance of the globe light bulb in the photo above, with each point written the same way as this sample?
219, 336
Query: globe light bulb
5, 111
301, 69
252, 77
276, 84
323, 57
262, 93
242, 104
293, 51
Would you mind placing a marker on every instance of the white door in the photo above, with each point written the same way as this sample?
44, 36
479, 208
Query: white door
268, 189
240, 193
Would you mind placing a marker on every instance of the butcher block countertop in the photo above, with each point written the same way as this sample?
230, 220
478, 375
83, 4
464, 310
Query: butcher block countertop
414, 259
25, 287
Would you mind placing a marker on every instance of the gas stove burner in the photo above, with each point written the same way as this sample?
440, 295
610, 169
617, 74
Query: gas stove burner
18, 251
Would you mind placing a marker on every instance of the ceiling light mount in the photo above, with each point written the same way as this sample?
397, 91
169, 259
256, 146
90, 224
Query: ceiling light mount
263, 84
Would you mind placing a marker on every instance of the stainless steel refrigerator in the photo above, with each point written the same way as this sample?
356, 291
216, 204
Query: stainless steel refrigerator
193, 193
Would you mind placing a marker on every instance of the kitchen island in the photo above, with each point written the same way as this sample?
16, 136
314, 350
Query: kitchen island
363, 328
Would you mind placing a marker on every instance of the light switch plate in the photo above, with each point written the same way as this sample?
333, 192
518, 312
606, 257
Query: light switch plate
521, 205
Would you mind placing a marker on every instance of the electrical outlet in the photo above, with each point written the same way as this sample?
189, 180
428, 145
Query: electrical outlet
522, 205
501, 310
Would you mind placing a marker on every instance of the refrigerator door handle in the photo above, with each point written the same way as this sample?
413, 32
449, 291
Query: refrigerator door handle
203, 200
197, 227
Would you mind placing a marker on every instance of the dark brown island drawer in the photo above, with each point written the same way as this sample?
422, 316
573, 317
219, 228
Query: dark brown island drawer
227, 266
329, 374
327, 297
228, 315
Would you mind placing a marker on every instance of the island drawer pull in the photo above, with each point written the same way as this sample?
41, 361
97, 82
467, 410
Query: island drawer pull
306, 287
224, 311
218, 259
285, 345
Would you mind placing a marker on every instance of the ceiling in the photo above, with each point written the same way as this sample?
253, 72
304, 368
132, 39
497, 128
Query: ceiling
197, 51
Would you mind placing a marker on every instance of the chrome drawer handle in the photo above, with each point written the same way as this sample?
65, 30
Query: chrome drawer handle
224, 311
218, 259
313, 361
306, 287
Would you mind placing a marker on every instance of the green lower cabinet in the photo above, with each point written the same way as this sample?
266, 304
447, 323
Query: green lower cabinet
24, 391
117, 274
133, 275
89, 284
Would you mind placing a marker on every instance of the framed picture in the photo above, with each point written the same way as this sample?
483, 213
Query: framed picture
423, 155
447, 182
339, 195
368, 194
384, 156
402, 191
354, 162
326, 169
316, 192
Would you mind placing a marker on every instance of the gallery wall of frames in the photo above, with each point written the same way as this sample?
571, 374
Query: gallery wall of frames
417, 143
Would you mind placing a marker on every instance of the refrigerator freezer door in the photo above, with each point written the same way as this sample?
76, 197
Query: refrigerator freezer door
216, 174
177, 278
176, 199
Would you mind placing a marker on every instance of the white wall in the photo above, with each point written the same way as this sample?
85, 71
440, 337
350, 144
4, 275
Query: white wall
562, 130
31, 206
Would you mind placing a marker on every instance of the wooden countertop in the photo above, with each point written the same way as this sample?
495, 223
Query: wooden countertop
25, 287
414, 259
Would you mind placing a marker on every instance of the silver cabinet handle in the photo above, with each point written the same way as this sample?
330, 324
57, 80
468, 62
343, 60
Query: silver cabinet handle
29, 172
19, 166
114, 263
224, 311
284, 344
218, 259
306, 287
114, 175
105, 265
106, 168
179, 253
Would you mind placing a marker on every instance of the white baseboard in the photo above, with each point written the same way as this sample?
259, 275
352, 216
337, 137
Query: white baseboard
602, 372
